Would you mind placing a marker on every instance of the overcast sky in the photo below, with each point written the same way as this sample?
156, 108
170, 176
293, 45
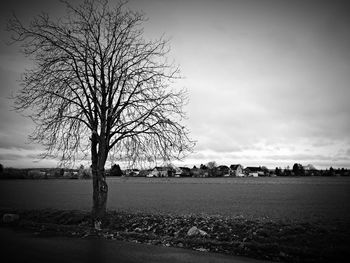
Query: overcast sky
268, 80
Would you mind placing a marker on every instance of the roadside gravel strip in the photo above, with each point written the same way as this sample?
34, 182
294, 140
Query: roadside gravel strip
261, 239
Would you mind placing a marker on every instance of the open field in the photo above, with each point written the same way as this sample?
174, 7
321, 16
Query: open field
278, 219
309, 199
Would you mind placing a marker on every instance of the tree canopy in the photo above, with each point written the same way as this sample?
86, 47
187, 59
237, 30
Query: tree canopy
95, 74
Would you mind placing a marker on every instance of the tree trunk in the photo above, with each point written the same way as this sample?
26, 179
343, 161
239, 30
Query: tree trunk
100, 191
100, 188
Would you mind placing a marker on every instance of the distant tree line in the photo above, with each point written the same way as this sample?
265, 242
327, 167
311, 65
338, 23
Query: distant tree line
210, 169
299, 170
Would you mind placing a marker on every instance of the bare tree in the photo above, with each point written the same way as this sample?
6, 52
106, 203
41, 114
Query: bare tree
211, 165
99, 88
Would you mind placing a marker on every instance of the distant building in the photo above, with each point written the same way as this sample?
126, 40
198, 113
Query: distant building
254, 171
161, 172
309, 167
310, 170
185, 172
145, 173
223, 170
236, 170
36, 174
70, 174
132, 172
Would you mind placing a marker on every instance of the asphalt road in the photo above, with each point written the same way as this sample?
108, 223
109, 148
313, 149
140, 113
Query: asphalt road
27, 247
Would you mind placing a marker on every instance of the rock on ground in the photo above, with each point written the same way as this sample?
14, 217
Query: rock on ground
194, 231
10, 218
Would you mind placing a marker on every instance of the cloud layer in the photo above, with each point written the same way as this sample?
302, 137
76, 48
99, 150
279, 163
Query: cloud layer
268, 81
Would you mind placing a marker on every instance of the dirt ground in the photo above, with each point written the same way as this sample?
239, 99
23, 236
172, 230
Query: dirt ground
266, 239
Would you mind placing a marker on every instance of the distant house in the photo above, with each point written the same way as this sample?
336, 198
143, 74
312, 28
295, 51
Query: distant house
176, 171
70, 174
309, 167
145, 173
36, 174
185, 171
223, 170
132, 172
161, 172
181, 171
310, 170
236, 170
254, 171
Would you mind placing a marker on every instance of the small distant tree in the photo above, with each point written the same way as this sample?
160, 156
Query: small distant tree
265, 170
287, 171
342, 171
84, 173
203, 167
2, 175
116, 171
298, 169
277, 171
211, 165
295, 169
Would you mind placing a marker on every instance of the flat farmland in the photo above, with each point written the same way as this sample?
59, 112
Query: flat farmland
305, 199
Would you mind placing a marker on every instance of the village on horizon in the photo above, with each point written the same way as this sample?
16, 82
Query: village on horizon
211, 169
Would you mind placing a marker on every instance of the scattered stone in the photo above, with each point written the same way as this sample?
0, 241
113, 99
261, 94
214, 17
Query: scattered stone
109, 236
98, 225
194, 231
202, 232
10, 218
201, 249
282, 254
265, 240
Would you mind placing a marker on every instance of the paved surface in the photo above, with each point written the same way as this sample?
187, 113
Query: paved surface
26, 247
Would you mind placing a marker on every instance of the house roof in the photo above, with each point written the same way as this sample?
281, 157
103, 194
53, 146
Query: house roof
223, 167
159, 168
132, 170
309, 167
254, 169
235, 166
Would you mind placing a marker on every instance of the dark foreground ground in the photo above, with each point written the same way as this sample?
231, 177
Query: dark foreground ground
26, 247
281, 241
280, 219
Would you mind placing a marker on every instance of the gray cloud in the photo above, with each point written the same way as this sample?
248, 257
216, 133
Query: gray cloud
15, 144
266, 79
301, 157
10, 157
348, 152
